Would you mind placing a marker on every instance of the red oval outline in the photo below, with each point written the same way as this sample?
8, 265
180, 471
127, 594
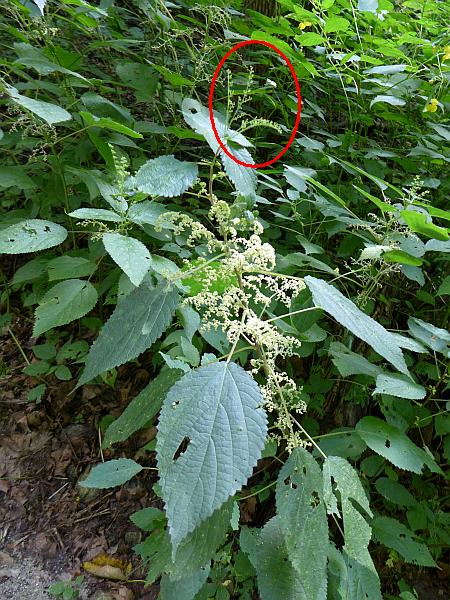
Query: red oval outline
299, 103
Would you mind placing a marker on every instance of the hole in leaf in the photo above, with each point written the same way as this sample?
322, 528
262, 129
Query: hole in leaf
387, 443
182, 448
304, 470
315, 499
288, 481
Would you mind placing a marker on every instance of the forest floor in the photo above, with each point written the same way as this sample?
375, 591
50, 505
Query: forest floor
49, 525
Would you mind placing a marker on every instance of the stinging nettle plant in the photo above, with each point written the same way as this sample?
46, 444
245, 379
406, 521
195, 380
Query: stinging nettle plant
227, 318
217, 418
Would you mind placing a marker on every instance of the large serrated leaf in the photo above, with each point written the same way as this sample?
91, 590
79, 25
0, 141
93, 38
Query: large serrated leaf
63, 303
217, 411
137, 322
142, 408
349, 579
394, 534
166, 176
277, 578
303, 521
111, 473
131, 255
350, 316
30, 236
388, 441
399, 385
357, 531
197, 117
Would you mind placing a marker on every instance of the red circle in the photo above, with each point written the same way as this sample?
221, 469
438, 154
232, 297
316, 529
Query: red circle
299, 103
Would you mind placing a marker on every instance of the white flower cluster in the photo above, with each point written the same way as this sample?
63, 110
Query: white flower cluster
238, 289
180, 223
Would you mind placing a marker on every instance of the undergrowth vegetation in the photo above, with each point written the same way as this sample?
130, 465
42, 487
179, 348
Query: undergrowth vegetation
295, 317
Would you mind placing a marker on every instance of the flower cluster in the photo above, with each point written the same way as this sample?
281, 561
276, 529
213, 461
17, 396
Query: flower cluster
240, 310
181, 223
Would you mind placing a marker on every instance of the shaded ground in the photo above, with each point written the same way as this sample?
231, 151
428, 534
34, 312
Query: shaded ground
49, 526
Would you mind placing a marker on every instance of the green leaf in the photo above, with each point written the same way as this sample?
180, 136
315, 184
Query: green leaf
31, 271
111, 473
304, 320
197, 117
129, 254
212, 415
303, 521
107, 123
194, 551
63, 303
395, 492
166, 176
63, 373
142, 408
401, 257
30, 236
100, 214
347, 445
146, 213
434, 337
335, 24
51, 113
66, 267
137, 322
392, 100
420, 223
349, 579
394, 534
267, 552
357, 531
147, 518
399, 385
200, 545
173, 78
444, 288
36, 394
15, 176
310, 39
185, 588
350, 363
350, 316
388, 441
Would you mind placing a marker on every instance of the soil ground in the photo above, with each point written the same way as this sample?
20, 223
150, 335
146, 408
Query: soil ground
49, 525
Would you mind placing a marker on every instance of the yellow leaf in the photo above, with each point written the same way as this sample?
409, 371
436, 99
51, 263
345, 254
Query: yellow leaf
108, 567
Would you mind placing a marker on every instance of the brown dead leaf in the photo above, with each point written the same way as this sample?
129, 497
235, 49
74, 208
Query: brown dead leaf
248, 508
